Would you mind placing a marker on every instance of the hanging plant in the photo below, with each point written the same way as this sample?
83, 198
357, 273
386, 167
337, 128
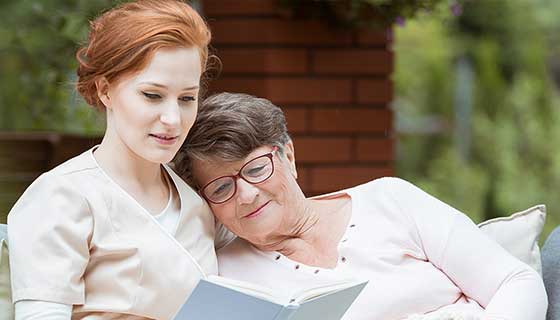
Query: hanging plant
365, 13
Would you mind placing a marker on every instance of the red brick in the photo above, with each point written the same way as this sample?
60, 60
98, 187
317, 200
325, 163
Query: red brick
303, 177
370, 149
18, 155
374, 91
351, 120
261, 60
322, 150
276, 31
71, 146
352, 61
374, 38
296, 119
289, 90
326, 179
239, 7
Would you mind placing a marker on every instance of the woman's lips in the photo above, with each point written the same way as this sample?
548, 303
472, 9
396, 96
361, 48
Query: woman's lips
257, 212
164, 139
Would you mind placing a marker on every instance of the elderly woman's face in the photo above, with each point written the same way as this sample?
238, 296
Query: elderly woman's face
256, 210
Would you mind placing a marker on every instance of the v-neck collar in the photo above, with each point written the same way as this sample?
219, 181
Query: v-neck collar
128, 195
182, 204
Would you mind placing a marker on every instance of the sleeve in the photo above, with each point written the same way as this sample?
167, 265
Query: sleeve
507, 288
49, 230
35, 309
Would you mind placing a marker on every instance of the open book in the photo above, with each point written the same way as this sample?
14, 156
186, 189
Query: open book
218, 298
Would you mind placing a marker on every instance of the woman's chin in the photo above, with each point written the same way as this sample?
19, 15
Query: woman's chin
158, 156
259, 234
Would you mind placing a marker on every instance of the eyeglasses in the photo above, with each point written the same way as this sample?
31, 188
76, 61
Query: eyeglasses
254, 171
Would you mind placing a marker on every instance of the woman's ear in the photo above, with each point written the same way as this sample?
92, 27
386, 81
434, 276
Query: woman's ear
102, 86
289, 152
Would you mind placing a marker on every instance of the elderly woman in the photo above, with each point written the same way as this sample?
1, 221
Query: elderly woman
420, 255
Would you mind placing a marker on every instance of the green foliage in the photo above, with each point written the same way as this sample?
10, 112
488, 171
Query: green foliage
38, 40
361, 13
513, 158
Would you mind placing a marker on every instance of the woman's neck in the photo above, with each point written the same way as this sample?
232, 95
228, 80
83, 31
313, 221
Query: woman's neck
128, 169
141, 179
314, 233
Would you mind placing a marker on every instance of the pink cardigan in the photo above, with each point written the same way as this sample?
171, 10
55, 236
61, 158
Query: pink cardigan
419, 254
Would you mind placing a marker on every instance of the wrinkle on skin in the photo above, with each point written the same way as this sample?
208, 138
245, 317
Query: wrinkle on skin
306, 230
301, 229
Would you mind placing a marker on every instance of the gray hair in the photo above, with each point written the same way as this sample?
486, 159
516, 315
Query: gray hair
228, 127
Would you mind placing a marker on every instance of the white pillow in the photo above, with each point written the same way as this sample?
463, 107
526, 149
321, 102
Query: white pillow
519, 234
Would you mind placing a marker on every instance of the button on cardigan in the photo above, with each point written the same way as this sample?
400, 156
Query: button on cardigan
419, 255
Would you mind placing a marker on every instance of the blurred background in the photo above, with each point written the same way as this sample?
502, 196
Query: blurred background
459, 97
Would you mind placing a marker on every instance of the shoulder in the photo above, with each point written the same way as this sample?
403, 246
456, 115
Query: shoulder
390, 198
235, 247
73, 176
237, 252
61, 190
390, 182
67, 178
399, 194
242, 261
75, 165
386, 186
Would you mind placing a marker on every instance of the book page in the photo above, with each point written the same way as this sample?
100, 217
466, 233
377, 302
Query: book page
252, 289
314, 292
329, 306
213, 301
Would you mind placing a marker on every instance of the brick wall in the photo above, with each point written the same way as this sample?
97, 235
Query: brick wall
334, 87
24, 156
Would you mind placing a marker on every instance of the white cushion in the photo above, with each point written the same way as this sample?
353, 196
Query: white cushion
519, 234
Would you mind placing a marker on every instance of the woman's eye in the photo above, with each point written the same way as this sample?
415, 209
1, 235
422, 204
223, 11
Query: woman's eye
256, 170
187, 98
222, 189
151, 96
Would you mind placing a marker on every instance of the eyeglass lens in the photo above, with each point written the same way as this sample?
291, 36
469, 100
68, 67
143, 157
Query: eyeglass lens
254, 171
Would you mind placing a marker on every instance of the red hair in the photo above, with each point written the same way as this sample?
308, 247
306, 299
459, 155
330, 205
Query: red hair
123, 40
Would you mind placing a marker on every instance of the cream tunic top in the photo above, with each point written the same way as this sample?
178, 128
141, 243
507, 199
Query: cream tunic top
76, 237
419, 255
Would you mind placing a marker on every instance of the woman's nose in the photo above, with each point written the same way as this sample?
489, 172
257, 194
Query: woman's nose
171, 114
246, 192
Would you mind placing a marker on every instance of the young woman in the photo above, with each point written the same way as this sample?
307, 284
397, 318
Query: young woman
114, 231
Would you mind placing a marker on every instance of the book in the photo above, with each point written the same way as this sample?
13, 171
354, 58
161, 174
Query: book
218, 298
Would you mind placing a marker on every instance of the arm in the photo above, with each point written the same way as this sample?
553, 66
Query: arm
35, 309
504, 286
49, 230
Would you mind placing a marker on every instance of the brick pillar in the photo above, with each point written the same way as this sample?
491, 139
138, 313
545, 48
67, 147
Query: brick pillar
334, 87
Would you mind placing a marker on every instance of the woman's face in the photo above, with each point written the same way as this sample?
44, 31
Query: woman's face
152, 111
256, 211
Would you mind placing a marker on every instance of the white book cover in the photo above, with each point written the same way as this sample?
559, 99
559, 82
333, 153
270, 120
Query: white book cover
217, 298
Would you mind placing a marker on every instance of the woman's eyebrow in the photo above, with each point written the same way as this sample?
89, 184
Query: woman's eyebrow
159, 85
